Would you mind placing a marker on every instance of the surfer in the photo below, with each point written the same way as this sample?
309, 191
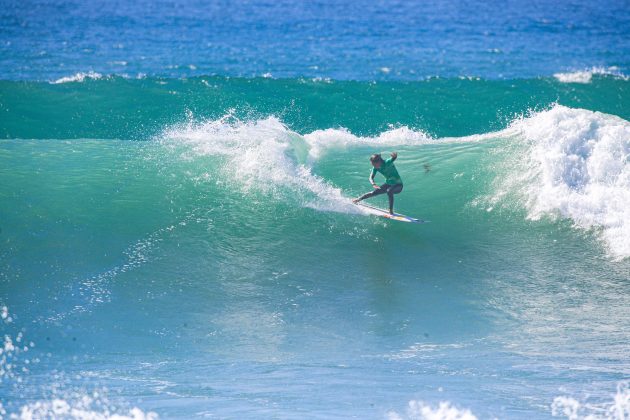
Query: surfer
393, 184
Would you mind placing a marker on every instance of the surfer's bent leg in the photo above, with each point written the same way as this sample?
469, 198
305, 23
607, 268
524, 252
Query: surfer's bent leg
381, 190
393, 189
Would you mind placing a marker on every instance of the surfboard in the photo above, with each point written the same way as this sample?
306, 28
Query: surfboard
375, 211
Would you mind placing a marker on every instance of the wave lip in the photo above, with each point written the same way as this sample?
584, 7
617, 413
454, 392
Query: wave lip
79, 77
265, 155
586, 76
321, 140
576, 165
261, 155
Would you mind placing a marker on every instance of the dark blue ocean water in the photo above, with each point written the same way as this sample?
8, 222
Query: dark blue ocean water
364, 40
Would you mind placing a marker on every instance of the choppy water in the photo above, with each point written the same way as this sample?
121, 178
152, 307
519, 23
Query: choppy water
364, 40
176, 247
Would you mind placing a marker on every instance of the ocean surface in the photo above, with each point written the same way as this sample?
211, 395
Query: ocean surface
177, 238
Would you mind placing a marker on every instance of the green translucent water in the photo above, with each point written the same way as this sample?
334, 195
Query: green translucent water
190, 244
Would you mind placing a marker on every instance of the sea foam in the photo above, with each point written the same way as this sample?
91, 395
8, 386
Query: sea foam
575, 165
617, 409
586, 76
571, 163
320, 141
15, 367
79, 77
265, 155
260, 155
418, 410
84, 408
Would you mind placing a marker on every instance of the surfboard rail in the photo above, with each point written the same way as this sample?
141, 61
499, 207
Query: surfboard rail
375, 211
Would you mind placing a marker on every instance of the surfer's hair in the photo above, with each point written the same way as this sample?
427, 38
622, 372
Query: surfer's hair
376, 157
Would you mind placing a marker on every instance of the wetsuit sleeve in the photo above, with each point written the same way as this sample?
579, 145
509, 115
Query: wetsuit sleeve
372, 175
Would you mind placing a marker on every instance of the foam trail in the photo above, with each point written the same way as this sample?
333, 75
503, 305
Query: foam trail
96, 290
575, 164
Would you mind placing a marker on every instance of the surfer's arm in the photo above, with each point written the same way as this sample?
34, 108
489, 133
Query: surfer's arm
391, 160
372, 175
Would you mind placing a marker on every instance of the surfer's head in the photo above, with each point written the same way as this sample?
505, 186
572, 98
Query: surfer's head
376, 160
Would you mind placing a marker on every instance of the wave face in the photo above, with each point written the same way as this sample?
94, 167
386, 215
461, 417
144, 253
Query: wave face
187, 247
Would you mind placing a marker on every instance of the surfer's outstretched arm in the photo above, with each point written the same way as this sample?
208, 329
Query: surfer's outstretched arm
372, 175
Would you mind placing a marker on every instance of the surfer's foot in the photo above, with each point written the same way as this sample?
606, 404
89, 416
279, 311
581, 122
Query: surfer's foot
356, 200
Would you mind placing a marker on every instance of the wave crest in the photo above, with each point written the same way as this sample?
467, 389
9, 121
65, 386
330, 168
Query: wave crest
573, 163
265, 155
586, 76
79, 77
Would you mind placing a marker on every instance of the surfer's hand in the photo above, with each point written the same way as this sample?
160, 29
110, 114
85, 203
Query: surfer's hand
394, 155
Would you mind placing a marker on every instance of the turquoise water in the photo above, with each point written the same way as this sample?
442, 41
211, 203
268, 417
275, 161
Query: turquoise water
177, 238
187, 247
119, 108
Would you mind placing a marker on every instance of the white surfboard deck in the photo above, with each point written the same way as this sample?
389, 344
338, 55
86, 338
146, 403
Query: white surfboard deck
375, 211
